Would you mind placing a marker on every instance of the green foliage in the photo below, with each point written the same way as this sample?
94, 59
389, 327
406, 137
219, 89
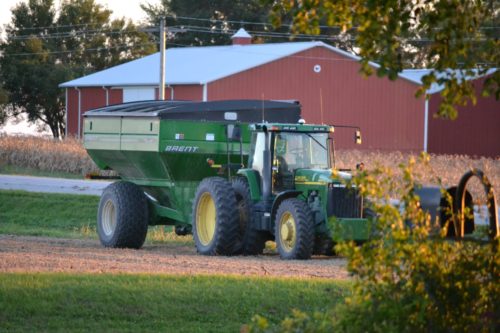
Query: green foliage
298, 322
45, 47
152, 303
225, 15
409, 278
441, 34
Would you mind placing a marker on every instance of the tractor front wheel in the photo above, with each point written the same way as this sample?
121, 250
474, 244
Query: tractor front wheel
122, 218
215, 218
294, 230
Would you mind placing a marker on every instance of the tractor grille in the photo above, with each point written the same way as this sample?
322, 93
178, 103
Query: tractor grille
344, 202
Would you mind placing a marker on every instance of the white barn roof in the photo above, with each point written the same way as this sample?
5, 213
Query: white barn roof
415, 75
204, 64
195, 65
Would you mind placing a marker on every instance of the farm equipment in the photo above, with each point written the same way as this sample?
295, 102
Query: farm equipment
233, 173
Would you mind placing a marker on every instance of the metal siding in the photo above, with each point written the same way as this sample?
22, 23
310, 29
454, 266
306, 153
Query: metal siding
188, 92
475, 132
390, 116
72, 112
91, 98
168, 93
115, 96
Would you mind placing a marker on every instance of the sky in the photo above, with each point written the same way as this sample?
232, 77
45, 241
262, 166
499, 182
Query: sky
121, 8
127, 8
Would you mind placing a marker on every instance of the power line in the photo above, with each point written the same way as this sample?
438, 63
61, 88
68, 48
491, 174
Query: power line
269, 24
209, 20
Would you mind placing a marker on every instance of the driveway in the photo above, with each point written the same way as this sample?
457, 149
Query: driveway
52, 185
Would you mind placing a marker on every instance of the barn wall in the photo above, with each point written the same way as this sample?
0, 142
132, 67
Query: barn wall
390, 116
475, 132
189, 92
168, 93
72, 112
115, 96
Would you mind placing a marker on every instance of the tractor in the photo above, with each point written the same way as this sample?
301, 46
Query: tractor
235, 174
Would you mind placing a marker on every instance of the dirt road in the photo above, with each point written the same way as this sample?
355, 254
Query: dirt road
40, 254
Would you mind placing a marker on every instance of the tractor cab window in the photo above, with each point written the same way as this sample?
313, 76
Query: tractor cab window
294, 151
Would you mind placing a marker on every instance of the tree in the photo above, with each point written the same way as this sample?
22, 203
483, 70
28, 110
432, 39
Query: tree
45, 47
213, 22
455, 38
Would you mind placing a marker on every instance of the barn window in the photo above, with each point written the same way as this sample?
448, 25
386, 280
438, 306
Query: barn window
133, 94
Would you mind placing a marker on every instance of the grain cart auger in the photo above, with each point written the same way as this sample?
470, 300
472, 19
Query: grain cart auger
233, 173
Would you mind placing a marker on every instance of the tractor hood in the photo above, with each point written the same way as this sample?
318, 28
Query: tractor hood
321, 176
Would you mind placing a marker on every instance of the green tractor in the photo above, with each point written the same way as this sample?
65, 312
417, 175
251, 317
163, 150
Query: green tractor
235, 174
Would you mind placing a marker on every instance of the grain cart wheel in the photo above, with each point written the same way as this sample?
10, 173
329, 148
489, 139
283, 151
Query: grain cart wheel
215, 218
122, 218
252, 241
294, 230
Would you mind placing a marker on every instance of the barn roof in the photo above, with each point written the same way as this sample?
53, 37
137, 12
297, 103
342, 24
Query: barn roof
204, 64
196, 65
415, 75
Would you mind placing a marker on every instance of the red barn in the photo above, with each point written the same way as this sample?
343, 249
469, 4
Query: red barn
325, 79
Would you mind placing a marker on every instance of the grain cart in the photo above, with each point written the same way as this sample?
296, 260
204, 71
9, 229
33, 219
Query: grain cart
233, 173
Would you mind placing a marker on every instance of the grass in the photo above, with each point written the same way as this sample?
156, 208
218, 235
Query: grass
44, 214
63, 216
154, 303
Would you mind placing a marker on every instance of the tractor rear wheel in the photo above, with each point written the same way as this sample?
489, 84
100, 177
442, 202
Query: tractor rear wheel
122, 218
215, 218
252, 241
294, 230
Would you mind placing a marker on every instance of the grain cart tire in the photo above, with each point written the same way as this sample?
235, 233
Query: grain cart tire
122, 217
252, 241
215, 218
294, 230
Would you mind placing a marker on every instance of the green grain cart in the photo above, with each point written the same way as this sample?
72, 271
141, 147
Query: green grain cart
233, 173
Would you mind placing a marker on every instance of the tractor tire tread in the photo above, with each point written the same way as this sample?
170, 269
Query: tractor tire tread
132, 215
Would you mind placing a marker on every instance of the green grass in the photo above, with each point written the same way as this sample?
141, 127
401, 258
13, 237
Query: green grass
63, 216
156, 303
46, 214
8, 169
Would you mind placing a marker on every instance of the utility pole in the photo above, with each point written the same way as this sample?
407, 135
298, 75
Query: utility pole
161, 88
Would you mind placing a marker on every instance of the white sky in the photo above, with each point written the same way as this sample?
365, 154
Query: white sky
121, 8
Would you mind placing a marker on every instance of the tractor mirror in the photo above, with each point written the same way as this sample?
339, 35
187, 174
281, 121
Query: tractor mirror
357, 137
233, 132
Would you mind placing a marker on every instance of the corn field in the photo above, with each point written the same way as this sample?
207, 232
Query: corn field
46, 154
69, 156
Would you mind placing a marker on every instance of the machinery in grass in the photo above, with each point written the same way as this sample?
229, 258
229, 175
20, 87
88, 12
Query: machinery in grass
233, 173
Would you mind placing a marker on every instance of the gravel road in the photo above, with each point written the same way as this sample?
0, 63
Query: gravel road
52, 185
41, 254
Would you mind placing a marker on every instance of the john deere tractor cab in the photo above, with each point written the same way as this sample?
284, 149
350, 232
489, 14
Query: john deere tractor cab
298, 199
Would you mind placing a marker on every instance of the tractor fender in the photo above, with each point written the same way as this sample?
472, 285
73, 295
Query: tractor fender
253, 179
280, 198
